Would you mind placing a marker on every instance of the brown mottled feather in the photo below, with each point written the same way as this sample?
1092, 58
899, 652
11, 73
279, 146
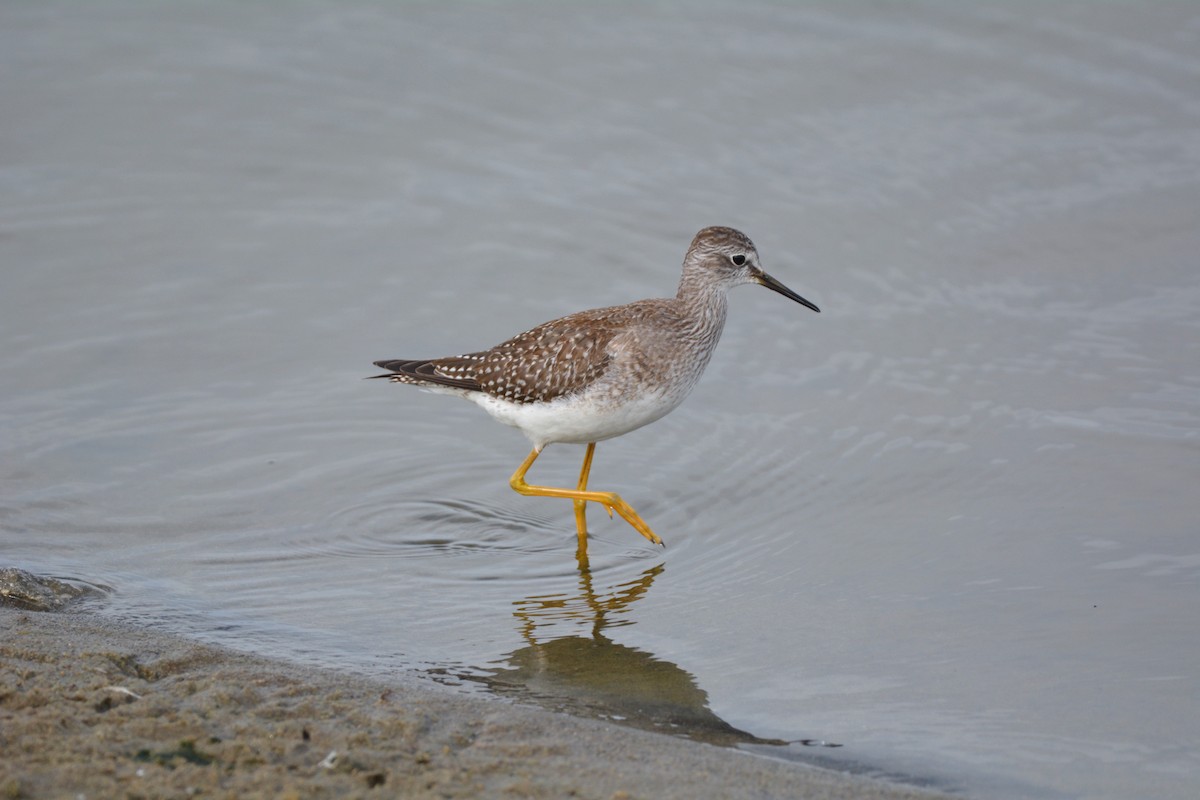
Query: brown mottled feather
555, 359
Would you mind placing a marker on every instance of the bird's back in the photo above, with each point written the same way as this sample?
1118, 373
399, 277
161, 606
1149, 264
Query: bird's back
559, 358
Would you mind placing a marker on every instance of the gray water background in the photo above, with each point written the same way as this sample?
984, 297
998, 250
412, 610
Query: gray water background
950, 523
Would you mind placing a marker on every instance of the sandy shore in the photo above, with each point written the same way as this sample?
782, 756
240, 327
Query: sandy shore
90, 708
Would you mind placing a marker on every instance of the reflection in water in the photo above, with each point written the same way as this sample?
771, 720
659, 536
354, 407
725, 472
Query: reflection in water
594, 676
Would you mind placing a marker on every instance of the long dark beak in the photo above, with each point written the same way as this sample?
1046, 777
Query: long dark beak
763, 279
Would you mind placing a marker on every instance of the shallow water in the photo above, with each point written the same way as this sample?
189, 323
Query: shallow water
950, 524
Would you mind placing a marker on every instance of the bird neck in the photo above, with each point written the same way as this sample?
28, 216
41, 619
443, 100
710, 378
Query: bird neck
704, 302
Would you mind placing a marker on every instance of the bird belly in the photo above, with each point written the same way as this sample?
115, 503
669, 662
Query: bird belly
578, 420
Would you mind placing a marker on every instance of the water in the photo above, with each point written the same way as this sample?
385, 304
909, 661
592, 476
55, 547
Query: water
950, 524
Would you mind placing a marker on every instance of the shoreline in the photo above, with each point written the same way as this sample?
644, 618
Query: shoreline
91, 707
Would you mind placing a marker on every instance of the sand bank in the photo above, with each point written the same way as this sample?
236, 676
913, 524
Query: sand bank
92, 708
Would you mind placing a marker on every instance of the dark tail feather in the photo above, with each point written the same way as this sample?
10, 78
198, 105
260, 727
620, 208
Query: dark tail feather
399, 364
394, 366
422, 370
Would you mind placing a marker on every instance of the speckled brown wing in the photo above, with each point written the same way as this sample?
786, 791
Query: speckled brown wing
552, 360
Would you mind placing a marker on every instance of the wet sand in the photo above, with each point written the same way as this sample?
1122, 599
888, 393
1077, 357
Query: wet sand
92, 708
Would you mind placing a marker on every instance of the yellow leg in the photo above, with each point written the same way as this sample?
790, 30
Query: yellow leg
581, 505
609, 500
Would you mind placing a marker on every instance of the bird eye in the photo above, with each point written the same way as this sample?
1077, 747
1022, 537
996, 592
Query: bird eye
738, 260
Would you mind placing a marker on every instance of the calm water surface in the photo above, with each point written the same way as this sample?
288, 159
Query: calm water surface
950, 524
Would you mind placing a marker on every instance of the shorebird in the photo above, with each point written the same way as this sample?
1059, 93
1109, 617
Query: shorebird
598, 374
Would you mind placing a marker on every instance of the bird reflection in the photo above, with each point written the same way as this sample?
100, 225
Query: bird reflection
593, 676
